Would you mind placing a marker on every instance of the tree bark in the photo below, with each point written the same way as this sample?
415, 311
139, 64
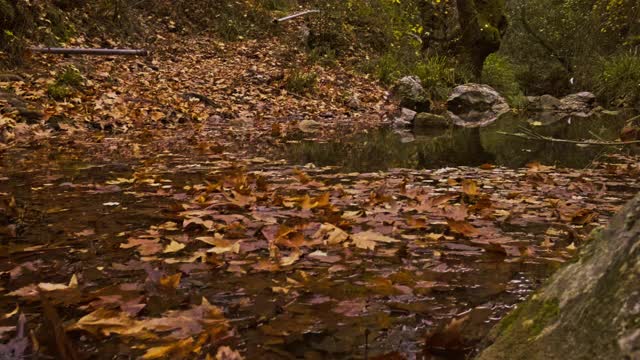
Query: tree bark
482, 23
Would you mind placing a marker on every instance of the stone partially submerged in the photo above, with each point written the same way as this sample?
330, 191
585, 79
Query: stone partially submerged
549, 109
411, 94
589, 309
475, 105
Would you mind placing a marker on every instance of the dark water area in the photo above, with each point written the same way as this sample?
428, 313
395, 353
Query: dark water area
432, 149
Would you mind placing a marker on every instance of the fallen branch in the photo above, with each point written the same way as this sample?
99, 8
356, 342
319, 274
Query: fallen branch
530, 135
283, 19
81, 51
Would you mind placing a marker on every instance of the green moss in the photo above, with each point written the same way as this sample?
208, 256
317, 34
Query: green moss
507, 322
59, 91
529, 319
544, 316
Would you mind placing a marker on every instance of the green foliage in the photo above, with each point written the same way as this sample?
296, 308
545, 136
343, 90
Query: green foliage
387, 68
618, 83
439, 74
7, 13
299, 82
323, 56
501, 74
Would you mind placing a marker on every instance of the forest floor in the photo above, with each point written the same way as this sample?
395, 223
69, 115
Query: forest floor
148, 215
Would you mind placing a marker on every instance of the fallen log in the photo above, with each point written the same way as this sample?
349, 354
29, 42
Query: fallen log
82, 51
293, 16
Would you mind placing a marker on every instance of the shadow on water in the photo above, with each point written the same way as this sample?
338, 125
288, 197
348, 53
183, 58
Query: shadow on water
385, 149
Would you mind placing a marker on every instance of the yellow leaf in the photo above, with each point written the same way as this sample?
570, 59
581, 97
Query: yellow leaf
182, 348
292, 258
171, 281
470, 187
174, 247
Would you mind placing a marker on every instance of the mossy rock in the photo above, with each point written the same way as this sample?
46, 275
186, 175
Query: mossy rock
590, 309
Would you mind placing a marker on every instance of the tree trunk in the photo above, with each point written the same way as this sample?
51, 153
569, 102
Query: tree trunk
482, 22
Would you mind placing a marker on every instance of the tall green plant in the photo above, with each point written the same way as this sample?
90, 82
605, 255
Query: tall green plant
618, 83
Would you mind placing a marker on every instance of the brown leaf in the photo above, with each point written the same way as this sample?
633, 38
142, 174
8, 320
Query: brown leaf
226, 353
462, 227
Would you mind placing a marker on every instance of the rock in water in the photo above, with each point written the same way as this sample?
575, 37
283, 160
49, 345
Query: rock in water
590, 309
404, 118
582, 102
429, 121
411, 94
475, 105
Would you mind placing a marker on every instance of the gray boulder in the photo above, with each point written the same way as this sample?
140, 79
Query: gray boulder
582, 102
475, 105
549, 109
411, 94
543, 103
404, 119
590, 309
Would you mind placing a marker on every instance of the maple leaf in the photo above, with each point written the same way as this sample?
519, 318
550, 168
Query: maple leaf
470, 187
291, 259
462, 227
173, 247
145, 247
369, 239
331, 234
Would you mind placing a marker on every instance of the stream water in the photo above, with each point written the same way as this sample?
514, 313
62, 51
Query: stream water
72, 221
433, 149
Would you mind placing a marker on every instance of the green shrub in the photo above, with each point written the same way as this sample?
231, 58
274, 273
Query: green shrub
388, 68
299, 82
499, 73
619, 80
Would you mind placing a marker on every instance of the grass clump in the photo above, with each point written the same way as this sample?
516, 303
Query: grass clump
66, 84
71, 76
618, 83
499, 73
439, 74
299, 82
59, 92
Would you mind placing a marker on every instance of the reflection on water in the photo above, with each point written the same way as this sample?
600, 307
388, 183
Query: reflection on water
386, 149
